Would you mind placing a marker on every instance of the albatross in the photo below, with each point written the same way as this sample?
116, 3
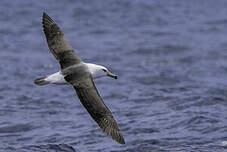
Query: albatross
80, 75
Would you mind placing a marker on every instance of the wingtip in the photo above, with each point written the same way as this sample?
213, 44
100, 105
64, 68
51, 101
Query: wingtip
111, 128
116, 135
47, 17
44, 14
120, 139
123, 142
46, 21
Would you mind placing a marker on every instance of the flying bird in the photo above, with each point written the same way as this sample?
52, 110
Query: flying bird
80, 75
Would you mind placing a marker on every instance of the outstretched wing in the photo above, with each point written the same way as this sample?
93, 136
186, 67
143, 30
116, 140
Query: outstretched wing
92, 101
58, 44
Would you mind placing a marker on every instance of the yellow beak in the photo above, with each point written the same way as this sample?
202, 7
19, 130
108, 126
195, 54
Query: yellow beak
111, 75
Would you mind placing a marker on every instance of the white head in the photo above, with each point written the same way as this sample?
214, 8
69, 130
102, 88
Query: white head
98, 71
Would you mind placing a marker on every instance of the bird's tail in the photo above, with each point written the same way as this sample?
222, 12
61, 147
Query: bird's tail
41, 81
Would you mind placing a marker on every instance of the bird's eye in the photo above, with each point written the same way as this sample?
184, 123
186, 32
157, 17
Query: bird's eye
104, 70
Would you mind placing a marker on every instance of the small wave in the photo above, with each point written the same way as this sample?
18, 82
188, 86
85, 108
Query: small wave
16, 128
48, 148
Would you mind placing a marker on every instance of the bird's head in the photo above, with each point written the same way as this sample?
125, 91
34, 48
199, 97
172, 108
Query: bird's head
106, 72
98, 71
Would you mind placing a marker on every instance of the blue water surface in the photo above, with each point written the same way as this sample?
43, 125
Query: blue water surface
170, 57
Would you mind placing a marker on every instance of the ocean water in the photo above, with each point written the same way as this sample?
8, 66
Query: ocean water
170, 57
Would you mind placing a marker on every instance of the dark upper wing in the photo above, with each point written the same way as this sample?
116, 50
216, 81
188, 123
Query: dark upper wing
58, 44
94, 104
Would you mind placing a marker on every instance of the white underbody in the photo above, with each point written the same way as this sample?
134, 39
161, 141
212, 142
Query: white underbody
58, 78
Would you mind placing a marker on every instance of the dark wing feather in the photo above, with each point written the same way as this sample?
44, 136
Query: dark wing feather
58, 44
95, 106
